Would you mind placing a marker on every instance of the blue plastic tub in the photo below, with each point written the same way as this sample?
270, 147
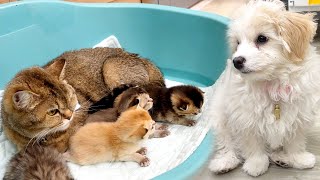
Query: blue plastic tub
188, 46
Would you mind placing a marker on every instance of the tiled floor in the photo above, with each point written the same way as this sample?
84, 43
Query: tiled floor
226, 8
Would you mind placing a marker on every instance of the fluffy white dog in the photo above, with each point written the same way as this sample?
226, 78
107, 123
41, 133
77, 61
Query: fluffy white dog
268, 99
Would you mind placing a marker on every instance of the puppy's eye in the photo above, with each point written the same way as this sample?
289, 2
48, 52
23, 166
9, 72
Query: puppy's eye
238, 42
262, 39
53, 112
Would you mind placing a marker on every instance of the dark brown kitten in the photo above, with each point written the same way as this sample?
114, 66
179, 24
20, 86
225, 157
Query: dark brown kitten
169, 104
175, 104
37, 162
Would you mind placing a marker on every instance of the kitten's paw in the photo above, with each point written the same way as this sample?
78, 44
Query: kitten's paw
164, 133
190, 122
145, 162
162, 126
224, 163
145, 101
160, 134
256, 165
142, 151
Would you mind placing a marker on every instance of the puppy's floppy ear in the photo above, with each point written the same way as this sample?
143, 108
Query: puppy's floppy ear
297, 32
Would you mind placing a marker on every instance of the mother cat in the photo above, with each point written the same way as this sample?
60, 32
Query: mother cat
39, 103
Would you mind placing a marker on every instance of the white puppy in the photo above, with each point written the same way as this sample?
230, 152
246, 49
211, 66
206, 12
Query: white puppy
270, 92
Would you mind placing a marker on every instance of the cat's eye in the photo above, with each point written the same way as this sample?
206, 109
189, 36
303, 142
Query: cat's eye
183, 107
53, 112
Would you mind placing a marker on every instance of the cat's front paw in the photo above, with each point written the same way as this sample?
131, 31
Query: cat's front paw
145, 162
162, 126
145, 101
164, 133
142, 151
160, 134
190, 122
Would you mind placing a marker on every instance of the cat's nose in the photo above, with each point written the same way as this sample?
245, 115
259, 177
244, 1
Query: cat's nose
150, 100
67, 114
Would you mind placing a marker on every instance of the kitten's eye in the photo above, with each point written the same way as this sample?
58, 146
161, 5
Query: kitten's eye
53, 112
183, 107
238, 42
262, 39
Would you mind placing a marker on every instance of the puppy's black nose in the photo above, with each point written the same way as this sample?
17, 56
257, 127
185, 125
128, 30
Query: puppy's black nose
238, 62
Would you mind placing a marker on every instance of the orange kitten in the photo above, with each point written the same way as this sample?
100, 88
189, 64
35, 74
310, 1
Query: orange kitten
113, 141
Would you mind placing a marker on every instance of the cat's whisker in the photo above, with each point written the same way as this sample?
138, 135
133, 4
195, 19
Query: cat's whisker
31, 140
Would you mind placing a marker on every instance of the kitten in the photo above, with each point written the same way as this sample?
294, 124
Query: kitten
113, 141
175, 104
172, 105
94, 73
130, 98
37, 106
37, 162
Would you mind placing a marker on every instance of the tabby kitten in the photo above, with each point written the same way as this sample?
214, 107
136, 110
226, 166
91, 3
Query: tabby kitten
37, 162
175, 104
113, 141
172, 105
94, 73
130, 98
37, 106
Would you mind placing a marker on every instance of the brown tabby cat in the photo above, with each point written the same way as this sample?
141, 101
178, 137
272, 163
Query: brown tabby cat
113, 141
37, 162
93, 73
37, 106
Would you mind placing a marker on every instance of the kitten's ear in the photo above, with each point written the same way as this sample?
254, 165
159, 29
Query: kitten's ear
56, 68
24, 99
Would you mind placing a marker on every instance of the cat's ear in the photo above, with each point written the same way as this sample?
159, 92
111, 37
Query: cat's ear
56, 68
24, 99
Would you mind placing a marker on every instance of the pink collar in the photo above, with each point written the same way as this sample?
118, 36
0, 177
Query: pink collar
279, 91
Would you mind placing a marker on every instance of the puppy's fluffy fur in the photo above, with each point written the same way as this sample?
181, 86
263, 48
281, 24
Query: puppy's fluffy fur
280, 67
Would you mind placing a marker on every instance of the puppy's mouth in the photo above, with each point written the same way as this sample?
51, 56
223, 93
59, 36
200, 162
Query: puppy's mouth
246, 71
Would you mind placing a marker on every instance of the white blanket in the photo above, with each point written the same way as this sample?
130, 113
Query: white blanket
164, 153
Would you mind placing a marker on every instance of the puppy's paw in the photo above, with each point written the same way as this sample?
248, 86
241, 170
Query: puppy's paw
190, 122
256, 165
162, 126
224, 163
303, 160
145, 162
281, 159
142, 151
